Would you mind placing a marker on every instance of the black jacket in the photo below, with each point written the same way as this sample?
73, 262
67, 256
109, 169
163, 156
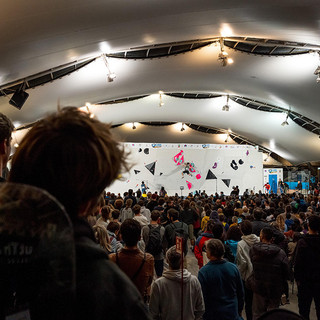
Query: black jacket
307, 259
270, 269
103, 290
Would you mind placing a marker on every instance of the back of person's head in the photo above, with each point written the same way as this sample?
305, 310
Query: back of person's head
141, 203
129, 203
288, 209
234, 233
173, 258
173, 214
186, 204
130, 191
234, 219
215, 248
246, 227
221, 217
267, 233
105, 212
115, 214
118, 204
72, 156
102, 237
161, 201
258, 202
6, 128
155, 215
131, 232
136, 209
209, 225
217, 230
314, 223
257, 213
113, 226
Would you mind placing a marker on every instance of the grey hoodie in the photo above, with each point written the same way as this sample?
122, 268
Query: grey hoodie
243, 260
166, 292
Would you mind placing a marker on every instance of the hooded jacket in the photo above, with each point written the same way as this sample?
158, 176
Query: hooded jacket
103, 291
166, 292
307, 259
270, 269
243, 260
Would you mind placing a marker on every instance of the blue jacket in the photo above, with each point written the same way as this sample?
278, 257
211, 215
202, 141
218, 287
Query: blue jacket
222, 290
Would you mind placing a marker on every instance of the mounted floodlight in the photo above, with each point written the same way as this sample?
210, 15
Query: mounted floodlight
223, 55
19, 97
182, 127
161, 103
226, 141
226, 106
285, 122
111, 75
133, 126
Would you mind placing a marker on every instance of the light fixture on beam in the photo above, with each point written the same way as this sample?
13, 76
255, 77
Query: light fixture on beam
111, 75
19, 97
182, 127
223, 56
226, 106
133, 126
285, 122
317, 71
161, 103
267, 158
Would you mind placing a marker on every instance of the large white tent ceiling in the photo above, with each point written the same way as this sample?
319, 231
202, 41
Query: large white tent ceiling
43, 41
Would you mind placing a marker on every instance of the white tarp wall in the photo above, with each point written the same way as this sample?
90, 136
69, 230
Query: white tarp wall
213, 168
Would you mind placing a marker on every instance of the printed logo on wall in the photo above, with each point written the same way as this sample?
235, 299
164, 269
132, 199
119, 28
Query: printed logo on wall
273, 170
156, 145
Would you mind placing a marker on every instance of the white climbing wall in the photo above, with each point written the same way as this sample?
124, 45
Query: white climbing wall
214, 168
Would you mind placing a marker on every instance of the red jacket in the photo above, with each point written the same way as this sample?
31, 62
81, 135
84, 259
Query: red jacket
199, 245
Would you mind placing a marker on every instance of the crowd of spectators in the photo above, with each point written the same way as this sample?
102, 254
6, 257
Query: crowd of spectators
248, 247
259, 234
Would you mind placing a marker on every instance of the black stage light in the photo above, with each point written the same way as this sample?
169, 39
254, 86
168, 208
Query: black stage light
19, 98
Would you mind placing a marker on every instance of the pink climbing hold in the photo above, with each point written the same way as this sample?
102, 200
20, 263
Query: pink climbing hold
198, 176
179, 158
189, 184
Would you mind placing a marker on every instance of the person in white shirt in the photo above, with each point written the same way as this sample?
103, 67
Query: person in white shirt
138, 216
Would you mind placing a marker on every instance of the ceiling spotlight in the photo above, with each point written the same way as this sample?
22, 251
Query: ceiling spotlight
19, 97
226, 141
267, 158
285, 122
226, 106
223, 55
161, 103
111, 75
182, 127
133, 126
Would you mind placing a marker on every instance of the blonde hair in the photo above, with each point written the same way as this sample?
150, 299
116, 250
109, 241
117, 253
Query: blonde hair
102, 237
280, 222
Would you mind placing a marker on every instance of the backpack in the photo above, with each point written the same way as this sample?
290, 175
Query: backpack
154, 245
179, 232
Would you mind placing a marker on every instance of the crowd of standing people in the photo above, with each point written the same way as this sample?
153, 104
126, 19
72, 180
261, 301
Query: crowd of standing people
127, 263
249, 249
